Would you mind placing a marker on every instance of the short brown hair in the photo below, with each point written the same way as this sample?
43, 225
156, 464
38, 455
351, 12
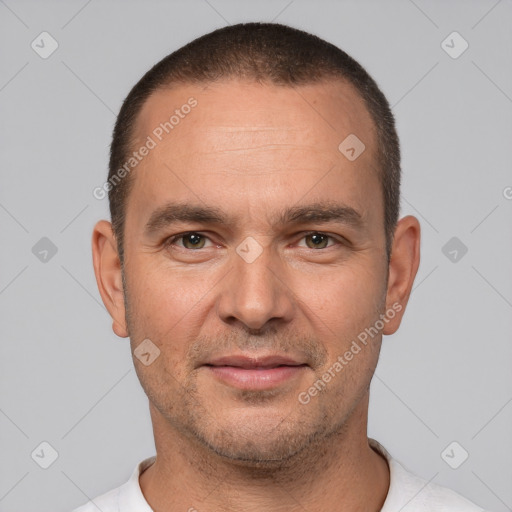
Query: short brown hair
266, 53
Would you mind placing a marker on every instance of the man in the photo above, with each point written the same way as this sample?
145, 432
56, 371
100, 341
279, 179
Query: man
255, 259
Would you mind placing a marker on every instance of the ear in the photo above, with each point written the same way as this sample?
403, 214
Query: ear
403, 265
107, 268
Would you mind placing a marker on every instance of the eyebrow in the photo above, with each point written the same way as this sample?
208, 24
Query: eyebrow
322, 212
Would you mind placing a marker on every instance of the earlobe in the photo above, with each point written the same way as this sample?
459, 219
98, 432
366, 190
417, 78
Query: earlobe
403, 266
107, 269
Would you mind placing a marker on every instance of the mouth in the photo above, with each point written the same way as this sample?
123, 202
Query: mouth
255, 373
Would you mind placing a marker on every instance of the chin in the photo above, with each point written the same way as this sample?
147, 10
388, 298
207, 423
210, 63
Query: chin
259, 440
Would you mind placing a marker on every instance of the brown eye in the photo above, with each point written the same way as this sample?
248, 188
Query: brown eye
317, 240
193, 241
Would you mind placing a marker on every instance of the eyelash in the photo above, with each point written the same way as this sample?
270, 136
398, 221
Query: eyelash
170, 241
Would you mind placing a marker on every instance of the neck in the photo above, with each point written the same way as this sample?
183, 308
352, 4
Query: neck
340, 473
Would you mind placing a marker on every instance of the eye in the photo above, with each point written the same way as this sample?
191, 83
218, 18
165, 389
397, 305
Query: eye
191, 240
317, 240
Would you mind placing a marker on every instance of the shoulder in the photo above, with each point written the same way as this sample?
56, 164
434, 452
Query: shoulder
411, 493
125, 498
419, 495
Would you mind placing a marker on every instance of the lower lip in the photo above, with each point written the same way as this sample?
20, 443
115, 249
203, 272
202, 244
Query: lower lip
254, 378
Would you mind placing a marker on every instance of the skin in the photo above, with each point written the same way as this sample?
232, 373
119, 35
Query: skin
253, 150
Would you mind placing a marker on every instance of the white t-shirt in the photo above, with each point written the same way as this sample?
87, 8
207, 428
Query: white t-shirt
407, 493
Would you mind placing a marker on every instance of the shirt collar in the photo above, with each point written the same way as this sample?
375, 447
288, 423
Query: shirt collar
131, 498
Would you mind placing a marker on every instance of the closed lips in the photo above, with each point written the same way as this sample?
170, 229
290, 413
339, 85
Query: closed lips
246, 363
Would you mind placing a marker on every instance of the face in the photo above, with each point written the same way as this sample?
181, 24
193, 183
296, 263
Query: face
254, 260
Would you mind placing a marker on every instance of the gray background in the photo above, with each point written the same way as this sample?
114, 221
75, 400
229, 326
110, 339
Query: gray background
68, 380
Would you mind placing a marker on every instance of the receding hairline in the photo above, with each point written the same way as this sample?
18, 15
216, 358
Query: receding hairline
139, 130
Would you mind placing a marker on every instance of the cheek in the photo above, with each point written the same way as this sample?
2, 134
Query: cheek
346, 299
343, 313
163, 302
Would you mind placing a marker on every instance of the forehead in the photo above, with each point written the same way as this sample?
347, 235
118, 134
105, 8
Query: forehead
238, 115
247, 144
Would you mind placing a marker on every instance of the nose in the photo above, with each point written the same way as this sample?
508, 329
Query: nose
255, 293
